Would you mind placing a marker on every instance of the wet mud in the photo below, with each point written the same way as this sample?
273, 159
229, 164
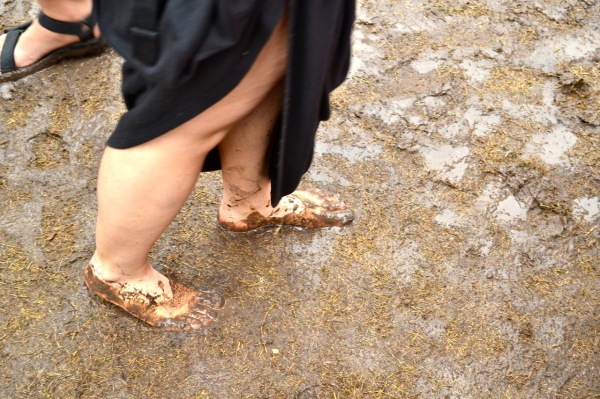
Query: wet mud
466, 140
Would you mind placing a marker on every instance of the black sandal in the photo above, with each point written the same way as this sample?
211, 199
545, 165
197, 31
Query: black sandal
88, 45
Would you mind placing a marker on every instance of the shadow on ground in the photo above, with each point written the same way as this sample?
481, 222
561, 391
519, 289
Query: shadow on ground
466, 139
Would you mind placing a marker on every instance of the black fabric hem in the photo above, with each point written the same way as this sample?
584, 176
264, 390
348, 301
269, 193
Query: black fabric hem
122, 139
190, 102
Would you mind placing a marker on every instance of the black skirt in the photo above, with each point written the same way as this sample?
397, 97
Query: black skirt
203, 49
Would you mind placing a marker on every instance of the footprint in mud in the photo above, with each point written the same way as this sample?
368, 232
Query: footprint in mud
49, 151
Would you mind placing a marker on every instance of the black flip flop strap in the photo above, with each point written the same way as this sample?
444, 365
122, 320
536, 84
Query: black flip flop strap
66, 28
7, 57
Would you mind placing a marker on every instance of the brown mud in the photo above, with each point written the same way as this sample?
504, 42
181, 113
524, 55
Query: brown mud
467, 142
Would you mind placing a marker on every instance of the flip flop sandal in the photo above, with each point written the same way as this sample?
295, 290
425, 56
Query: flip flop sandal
88, 45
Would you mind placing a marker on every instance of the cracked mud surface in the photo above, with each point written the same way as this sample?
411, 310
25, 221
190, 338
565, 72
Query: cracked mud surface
466, 140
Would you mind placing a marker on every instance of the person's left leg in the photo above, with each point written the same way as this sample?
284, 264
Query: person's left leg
246, 203
246, 183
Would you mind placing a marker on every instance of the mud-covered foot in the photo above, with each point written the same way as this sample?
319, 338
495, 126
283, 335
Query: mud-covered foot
311, 209
159, 302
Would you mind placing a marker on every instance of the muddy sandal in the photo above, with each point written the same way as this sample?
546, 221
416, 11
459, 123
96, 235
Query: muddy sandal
88, 45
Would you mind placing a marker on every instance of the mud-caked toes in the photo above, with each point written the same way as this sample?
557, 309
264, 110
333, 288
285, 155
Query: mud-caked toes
198, 317
211, 300
310, 209
316, 198
318, 209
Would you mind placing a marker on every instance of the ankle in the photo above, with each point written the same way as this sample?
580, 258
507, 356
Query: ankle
241, 208
67, 11
47, 37
110, 270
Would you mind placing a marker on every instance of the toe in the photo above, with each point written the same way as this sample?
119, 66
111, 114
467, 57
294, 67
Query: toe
211, 300
336, 205
195, 324
315, 198
172, 324
201, 317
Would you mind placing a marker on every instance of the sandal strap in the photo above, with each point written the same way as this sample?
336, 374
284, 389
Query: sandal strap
21, 27
90, 21
67, 28
7, 57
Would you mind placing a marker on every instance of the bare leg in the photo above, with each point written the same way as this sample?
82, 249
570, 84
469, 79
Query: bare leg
140, 190
246, 202
37, 41
246, 184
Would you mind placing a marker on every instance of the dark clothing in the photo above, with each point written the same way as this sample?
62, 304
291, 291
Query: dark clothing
205, 48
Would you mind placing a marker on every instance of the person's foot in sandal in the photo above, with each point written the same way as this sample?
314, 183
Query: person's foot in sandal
155, 299
43, 42
312, 209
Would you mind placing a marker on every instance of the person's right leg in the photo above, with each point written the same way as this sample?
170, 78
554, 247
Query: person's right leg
141, 189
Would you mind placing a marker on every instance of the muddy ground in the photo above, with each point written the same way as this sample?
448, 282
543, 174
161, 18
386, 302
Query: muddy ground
467, 141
